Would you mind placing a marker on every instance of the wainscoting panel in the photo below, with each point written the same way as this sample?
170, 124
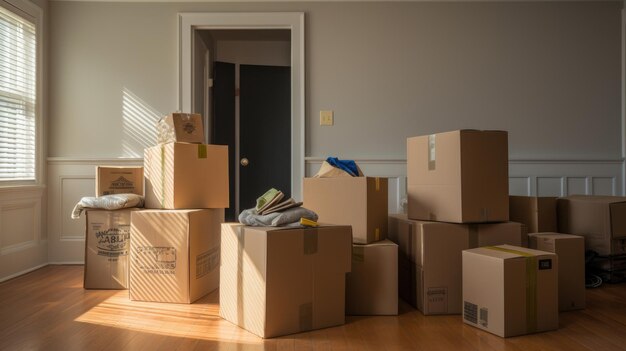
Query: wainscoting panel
22, 245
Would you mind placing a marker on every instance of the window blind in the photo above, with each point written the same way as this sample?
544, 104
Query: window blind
18, 97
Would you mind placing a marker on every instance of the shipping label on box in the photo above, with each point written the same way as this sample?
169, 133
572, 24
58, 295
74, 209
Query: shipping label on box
175, 254
119, 180
180, 127
107, 245
459, 177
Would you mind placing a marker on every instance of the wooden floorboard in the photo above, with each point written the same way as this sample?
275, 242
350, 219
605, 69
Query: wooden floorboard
48, 309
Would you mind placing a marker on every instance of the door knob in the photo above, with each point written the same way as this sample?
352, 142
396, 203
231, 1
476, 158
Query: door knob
244, 162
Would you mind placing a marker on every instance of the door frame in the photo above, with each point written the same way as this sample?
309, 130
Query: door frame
294, 21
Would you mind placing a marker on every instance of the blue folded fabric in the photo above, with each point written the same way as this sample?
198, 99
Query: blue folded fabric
346, 165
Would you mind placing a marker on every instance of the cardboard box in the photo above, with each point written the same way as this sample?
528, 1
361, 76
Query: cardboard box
107, 244
175, 254
278, 281
119, 180
372, 286
429, 259
510, 290
571, 252
600, 219
181, 175
459, 177
180, 127
357, 201
537, 213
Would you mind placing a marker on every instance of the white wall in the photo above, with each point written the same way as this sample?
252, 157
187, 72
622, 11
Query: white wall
548, 72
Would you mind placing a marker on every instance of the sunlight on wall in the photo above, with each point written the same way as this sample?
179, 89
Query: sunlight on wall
139, 124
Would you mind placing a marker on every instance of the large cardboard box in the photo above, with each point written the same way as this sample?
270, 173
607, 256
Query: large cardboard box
372, 285
357, 201
279, 281
107, 245
571, 252
510, 290
180, 127
429, 259
119, 180
537, 213
459, 177
181, 175
175, 254
600, 219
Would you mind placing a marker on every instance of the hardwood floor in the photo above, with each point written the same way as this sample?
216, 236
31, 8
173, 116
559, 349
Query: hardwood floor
49, 310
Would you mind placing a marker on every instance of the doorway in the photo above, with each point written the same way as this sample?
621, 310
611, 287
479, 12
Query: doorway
251, 116
192, 23
249, 110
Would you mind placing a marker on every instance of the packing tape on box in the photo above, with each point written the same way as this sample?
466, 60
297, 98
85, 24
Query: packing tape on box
310, 241
432, 152
305, 314
531, 285
377, 234
473, 235
201, 151
358, 254
377, 184
162, 176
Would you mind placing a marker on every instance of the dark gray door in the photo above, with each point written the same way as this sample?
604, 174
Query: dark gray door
223, 128
264, 131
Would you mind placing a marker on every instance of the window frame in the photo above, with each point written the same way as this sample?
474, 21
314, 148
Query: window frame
34, 13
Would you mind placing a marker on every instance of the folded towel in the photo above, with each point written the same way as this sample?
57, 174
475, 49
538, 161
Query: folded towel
107, 202
287, 218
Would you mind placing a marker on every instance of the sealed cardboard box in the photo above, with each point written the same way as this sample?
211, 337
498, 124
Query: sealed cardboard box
510, 290
459, 177
429, 259
571, 252
600, 219
372, 285
175, 254
537, 213
107, 245
357, 201
181, 175
180, 127
119, 180
277, 281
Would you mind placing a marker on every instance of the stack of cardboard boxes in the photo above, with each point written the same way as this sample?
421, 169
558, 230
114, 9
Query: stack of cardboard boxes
601, 220
457, 190
107, 244
175, 241
361, 202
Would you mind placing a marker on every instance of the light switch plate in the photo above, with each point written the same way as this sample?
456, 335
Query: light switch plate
326, 118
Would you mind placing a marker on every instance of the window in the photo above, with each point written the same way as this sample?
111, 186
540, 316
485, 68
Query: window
18, 95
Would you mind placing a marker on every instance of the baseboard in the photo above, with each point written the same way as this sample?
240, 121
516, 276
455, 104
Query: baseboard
15, 275
67, 263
